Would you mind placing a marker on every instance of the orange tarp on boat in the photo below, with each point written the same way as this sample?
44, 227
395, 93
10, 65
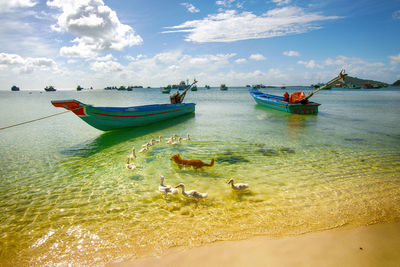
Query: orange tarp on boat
296, 96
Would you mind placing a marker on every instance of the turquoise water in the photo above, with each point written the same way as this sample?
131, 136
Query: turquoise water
66, 197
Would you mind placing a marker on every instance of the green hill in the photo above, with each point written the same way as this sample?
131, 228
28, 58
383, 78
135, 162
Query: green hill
361, 82
396, 83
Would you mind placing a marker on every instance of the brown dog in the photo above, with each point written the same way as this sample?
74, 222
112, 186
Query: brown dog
195, 163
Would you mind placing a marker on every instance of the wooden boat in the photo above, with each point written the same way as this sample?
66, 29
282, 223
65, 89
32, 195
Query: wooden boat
298, 105
113, 118
166, 90
223, 87
194, 88
50, 88
278, 102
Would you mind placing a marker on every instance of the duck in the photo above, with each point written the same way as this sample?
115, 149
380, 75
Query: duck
132, 156
187, 138
152, 142
167, 189
144, 149
129, 166
159, 139
169, 140
238, 186
191, 193
177, 142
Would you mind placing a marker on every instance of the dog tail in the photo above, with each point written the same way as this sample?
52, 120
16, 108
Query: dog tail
211, 163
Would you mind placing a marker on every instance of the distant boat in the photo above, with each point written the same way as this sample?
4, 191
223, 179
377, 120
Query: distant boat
14, 88
318, 85
352, 86
194, 88
79, 88
223, 87
372, 86
278, 102
166, 90
113, 118
207, 87
50, 88
248, 85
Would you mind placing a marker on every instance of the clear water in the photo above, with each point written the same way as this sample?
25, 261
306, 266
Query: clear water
66, 197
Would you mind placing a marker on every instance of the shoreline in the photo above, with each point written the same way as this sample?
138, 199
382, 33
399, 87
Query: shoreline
372, 245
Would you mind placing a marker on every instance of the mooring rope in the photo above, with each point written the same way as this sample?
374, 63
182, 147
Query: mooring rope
34, 120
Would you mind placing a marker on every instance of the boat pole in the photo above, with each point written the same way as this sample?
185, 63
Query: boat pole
340, 77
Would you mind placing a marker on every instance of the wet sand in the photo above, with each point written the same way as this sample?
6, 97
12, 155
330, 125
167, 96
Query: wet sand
374, 245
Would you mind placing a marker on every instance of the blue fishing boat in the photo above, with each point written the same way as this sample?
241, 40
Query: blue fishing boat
297, 103
113, 118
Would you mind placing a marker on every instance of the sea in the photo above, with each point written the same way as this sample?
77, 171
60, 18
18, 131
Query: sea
66, 197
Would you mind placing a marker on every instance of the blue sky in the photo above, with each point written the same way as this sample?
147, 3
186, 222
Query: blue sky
157, 42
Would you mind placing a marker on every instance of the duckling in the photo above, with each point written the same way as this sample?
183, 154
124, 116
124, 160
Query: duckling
239, 186
187, 138
132, 156
129, 166
169, 140
191, 193
152, 142
144, 149
159, 139
177, 142
167, 189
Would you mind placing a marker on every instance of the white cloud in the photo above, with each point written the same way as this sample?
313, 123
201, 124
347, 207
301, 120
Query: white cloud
241, 60
291, 53
19, 64
225, 3
191, 8
257, 57
106, 66
231, 26
395, 59
349, 62
11, 5
107, 57
96, 26
310, 64
396, 14
281, 2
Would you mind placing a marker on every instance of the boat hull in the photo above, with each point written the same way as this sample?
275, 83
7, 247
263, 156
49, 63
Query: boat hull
277, 102
113, 118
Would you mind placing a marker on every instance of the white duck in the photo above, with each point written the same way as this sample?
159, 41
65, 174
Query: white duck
129, 166
238, 186
159, 139
191, 193
144, 148
177, 142
132, 156
166, 189
187, 138
169, 140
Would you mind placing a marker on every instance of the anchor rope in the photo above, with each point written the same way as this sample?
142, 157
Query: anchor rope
25, 122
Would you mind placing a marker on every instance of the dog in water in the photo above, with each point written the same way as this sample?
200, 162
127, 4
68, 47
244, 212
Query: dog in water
195, 163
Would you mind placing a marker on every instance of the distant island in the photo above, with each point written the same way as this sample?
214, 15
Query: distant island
361, 82
396, 83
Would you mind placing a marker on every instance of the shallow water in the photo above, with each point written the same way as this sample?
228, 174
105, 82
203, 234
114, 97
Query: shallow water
66, 197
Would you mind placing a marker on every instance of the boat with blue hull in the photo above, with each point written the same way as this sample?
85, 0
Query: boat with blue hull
297, 103
278, 102
113, 118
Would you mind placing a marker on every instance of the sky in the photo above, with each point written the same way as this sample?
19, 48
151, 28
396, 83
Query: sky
154, 43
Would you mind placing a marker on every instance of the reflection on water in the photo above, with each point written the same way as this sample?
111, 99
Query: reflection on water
112, 138
68, 201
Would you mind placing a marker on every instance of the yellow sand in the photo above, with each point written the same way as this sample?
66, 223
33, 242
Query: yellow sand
375, 245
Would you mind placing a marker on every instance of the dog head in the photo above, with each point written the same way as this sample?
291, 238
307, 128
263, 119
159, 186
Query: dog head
175, 157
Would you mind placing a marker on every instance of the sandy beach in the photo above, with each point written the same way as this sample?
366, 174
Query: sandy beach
374, 245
